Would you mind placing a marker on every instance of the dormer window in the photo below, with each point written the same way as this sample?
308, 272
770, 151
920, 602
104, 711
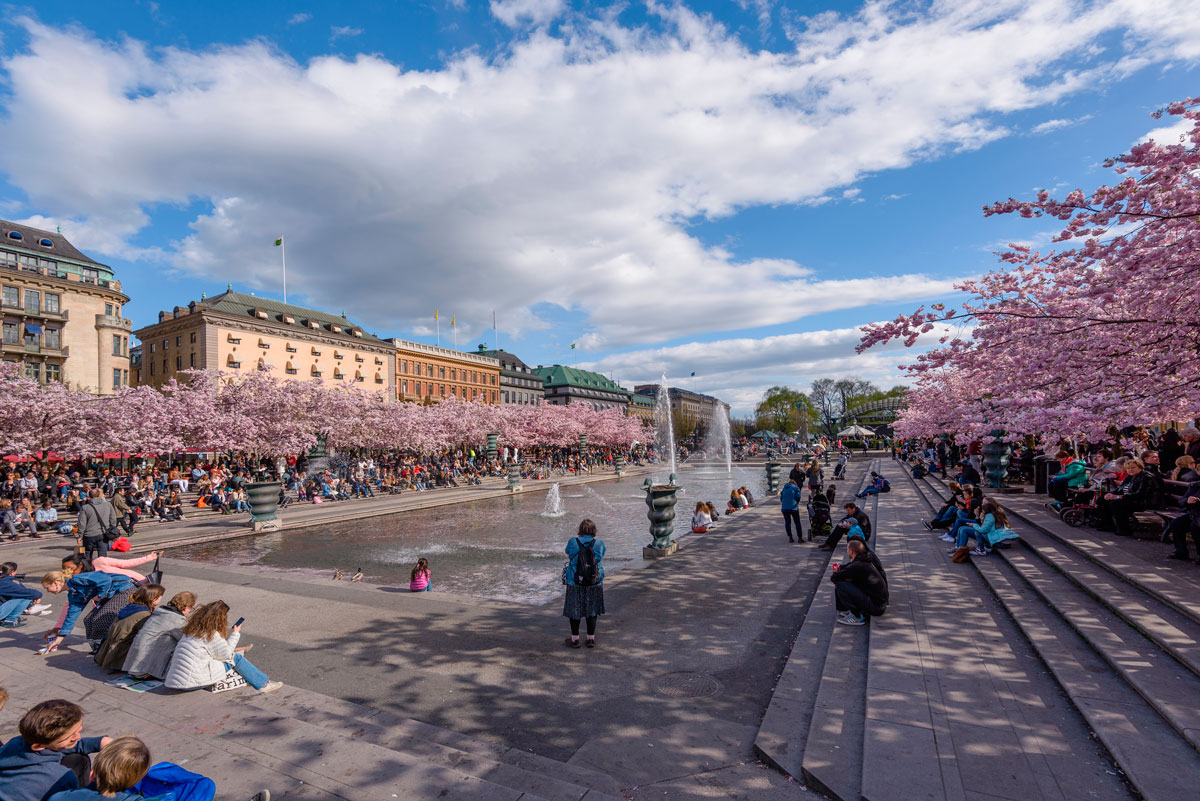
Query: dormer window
261, 314
313, 324
46, 243
337, 329
357, 332
289, 319
15, 235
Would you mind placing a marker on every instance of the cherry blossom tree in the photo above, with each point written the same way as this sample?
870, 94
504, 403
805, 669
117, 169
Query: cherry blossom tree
1100, 332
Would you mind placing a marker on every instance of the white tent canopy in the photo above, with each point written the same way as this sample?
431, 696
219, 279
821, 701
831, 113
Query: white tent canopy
856, 431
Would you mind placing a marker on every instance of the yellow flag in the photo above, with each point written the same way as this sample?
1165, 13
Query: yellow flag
435, 314
451, 321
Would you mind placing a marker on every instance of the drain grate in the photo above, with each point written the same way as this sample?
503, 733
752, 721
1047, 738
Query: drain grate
686, 685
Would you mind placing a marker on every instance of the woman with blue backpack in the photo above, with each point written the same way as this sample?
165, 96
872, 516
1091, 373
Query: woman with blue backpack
584, 577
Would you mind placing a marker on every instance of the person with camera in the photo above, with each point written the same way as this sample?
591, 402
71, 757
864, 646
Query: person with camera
584, 577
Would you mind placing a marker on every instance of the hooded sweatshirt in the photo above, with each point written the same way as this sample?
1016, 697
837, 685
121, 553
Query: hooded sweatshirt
28, 775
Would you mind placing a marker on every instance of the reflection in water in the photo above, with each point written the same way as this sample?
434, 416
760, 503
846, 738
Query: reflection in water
503, 548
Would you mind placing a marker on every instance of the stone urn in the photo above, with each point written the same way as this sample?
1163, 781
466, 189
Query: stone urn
773, 468
660, 500
493, 446
263, 498
514, 476
996, 455
619, 464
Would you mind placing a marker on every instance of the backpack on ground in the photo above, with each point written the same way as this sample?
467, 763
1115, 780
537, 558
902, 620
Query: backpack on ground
587, 572
886, 486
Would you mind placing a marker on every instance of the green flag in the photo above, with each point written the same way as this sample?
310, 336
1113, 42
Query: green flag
279, 241
572, 346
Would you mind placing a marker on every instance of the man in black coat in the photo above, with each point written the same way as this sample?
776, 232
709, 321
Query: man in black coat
859, 587
1189, 521
853, 513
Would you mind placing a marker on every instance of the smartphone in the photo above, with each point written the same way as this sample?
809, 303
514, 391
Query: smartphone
240, 621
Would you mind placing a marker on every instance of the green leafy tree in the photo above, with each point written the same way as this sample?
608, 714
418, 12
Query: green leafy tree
778, 411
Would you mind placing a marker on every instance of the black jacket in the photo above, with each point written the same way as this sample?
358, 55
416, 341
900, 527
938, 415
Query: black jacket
864, 522
1137, 490
866, 573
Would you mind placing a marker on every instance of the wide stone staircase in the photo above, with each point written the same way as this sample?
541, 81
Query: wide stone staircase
1121, 637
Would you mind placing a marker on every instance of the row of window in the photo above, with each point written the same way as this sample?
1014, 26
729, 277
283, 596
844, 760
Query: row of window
34, 336
456, 373
521, 397
19, 237
50, 267
178, 343
33, 300
34, 371
427, 389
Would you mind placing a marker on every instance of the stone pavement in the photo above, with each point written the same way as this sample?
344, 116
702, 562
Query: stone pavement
667, 705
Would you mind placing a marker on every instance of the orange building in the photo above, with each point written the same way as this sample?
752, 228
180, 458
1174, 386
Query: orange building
429, 373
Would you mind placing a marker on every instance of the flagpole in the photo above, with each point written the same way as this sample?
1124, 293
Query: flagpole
454, 331
437, 319
283, 258
495, 331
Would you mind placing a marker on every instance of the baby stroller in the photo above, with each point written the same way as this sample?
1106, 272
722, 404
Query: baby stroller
820, 520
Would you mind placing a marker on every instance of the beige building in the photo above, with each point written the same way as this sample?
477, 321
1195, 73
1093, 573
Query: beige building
429, 373
61, 312
235, 333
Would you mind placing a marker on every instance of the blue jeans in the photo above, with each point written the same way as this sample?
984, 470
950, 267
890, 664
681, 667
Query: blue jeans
10, 611
947, 515
964, 519
253, 676
966, 532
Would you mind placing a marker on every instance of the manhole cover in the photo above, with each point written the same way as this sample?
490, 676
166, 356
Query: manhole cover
686, 685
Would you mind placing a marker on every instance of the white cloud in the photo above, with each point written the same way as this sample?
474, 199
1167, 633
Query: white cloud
514, 13
1054, 125
740, 370
564, 171
343, 32
1168, 134
299, 18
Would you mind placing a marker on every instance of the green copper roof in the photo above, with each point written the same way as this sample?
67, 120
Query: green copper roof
644, 400
559, 375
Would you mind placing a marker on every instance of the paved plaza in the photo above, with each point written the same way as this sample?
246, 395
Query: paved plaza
719, 674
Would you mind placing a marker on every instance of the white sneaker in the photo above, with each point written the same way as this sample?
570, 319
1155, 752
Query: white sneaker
980, 552
946, 538
851, 619
271, 686
38, 609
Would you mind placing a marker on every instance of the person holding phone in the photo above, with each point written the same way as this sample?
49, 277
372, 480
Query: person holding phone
208, 652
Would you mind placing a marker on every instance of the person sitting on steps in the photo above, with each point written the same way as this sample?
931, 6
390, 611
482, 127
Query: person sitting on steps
853, 515
860, 586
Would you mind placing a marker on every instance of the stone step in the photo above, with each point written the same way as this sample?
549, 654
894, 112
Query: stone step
1166, 684
832, 761
1173, 632
1160, 763
500, 764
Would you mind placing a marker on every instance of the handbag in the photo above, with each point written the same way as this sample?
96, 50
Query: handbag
961, 555
155, 575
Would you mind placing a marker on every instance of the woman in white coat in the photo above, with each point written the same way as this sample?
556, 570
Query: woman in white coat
208, 652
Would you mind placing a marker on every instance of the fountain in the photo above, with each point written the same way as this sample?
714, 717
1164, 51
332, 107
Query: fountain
661, 502
554, 504
717, 442
664, 426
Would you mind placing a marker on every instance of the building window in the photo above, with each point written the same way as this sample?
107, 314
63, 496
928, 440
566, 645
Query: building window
289, 369
52, 302
442, 374
165, 366
263, 344
116, 344
178, 342
404, 366
116, 379
53, 372
178, 362
289, 347
33, 335
166, 344
151, 368
428, 388
12, 335
404, 387
33, 300
125, 346
108, 310
90, 275
152, 349
454, 391
192, 337
15, 235
191, 360
53, 338
378, 378
33, 371
12, 296
442, 390
493, 396
124, 377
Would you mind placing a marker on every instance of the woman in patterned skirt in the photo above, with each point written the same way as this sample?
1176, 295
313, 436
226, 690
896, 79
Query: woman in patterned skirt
584, 577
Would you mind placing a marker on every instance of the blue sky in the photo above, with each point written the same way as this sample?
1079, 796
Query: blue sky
721, 187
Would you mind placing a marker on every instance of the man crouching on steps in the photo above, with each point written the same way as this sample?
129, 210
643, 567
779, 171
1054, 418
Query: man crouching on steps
860, 586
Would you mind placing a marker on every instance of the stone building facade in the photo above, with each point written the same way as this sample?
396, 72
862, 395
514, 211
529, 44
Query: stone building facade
428, 373
235, 333
563, 385
61, 310
519, 383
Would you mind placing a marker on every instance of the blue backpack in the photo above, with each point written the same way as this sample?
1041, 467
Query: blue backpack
166, 781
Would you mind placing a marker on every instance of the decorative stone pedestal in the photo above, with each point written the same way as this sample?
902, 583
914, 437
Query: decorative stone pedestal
514, 477
274, 524
658, 553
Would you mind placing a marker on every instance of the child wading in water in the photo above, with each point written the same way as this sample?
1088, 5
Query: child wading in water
420, 578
